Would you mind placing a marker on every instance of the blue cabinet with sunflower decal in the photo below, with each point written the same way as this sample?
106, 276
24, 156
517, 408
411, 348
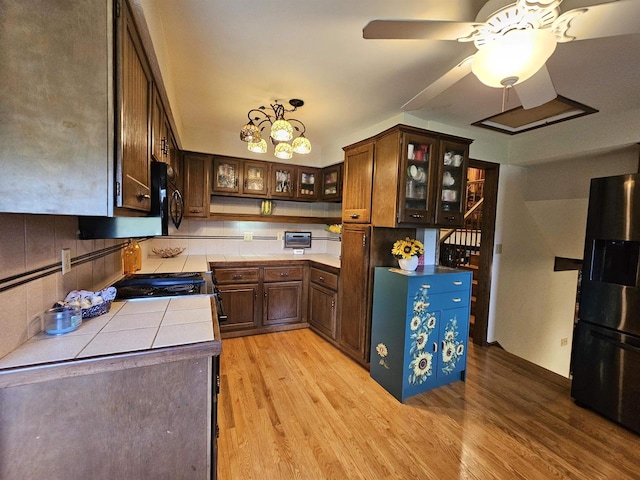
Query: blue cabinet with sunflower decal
420, 328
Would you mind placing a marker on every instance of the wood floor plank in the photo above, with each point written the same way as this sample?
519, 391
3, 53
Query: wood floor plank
294, 407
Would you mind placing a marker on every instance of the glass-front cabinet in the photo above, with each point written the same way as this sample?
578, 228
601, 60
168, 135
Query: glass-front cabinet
308, 184
419, 153
451, 191
282, 180
332, 183
256, 178
226, 175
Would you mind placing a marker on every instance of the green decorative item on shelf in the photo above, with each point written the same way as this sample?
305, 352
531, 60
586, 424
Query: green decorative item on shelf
266, 207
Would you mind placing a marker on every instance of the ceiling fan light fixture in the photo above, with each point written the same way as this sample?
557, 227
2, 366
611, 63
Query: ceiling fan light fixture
518, 53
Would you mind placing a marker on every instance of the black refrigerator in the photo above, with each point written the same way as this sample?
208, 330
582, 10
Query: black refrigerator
605, 360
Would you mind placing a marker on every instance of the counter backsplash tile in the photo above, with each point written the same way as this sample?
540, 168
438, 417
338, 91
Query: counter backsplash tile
31, 241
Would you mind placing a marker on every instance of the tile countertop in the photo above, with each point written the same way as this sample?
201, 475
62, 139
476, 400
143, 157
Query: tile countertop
129, 326
145, 324
323, 258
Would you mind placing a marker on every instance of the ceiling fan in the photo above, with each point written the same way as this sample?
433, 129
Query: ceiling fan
514, 39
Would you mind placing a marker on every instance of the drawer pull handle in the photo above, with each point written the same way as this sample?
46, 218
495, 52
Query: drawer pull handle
237, 277
284, 274
456, 300
417, 215
143, 196
355, 215
457, 283
321, 279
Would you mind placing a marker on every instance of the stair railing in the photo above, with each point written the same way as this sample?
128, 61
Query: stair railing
457, 245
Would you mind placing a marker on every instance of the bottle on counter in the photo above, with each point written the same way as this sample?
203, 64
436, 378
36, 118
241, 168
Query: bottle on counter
128, 260
137, 255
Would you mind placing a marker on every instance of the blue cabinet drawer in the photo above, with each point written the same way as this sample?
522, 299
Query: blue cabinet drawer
444, 301
457, 282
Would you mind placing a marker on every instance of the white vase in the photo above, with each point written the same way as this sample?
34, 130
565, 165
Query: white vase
409, 264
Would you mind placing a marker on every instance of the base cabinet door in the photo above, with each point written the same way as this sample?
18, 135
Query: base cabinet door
420, 329
240, 305
322, 310
282, 303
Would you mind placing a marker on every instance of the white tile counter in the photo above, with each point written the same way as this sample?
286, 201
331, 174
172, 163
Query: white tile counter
129, 326
323, 258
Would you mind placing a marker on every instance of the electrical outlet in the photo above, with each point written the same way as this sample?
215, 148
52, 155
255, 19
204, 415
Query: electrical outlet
498, 248
279, 236
66, 261
564, 342
248, 236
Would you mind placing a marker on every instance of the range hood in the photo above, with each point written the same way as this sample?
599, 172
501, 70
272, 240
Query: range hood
119, 227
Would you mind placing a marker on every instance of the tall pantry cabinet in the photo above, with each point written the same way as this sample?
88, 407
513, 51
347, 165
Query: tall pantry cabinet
400, 179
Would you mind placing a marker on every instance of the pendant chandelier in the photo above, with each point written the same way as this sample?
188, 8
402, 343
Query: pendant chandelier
281, 130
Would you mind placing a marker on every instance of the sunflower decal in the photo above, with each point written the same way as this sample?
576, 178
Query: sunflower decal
422, 325
452, 346
381, 349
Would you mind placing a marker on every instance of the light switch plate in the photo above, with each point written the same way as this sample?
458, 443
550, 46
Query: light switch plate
66, 261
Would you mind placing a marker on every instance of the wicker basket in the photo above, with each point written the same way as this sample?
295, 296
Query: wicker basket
97, 310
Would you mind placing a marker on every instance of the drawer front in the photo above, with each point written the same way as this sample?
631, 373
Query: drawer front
283, 273
237, 275
326, 279
445, 301
454, 282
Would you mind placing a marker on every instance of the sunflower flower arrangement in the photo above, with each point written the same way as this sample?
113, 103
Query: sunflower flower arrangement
407, 248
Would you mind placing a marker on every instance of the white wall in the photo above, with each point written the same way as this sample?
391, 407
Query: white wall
541, 214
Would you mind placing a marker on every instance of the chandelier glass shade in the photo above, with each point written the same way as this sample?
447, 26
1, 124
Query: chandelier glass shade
281, 130
258, 147
283, 150
514, 57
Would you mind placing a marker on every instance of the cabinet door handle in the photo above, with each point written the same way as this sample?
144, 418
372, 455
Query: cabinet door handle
451, 219
355, 215
195, 210
417, 215
435, 347
425, 285
333, 304
457, 283
143, 196
456, 300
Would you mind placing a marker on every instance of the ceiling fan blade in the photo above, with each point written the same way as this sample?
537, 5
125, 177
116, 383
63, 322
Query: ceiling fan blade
604, 20
453, 76
536, 90
418, 29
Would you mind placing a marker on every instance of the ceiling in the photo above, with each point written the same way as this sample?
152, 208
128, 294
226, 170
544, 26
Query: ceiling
220, 58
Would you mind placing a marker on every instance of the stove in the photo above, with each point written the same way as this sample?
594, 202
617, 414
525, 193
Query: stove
151, 285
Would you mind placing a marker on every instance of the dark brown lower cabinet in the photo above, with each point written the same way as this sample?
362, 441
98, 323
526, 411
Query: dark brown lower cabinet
323, 300
282, 290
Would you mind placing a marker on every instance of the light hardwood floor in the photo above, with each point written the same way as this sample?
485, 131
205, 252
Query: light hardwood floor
294, 407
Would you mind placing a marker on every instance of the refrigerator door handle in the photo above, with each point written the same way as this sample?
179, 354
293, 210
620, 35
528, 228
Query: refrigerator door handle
616, 341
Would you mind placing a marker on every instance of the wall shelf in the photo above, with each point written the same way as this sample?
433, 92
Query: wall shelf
239, 217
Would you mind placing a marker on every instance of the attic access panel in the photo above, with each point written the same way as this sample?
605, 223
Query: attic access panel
518, 120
